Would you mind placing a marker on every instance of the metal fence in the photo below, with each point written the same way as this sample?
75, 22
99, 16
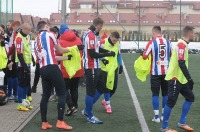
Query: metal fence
6, 9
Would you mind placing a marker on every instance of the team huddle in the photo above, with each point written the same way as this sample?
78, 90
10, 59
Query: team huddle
62, 58
76, 57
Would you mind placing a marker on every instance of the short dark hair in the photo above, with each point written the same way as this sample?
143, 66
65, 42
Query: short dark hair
97, 21
41, 25
186, 30
157, 29
115, 34
2, 26
54, 30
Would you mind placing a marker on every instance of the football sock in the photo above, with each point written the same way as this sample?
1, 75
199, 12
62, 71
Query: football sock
107, 96
164, 101
96, 96
107, 104
20, 94
15, 83
167, 112
155, 103
185, 110
89, 105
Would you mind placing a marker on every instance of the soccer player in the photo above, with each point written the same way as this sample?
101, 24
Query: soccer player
68, 38
160, 50
24, 59
50, 74
179, 81
91, 55
109, 75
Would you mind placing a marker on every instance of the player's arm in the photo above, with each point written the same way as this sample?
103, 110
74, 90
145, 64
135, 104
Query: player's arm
181, 49
19, 48
57, 46
147, 50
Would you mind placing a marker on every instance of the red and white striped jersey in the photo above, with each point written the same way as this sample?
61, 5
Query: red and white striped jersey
160, 51
44, 48
90, 42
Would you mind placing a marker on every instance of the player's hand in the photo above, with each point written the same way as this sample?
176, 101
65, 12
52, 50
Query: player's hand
80, 47
105, 62
190, 83
111, 53
69, 57
120, 69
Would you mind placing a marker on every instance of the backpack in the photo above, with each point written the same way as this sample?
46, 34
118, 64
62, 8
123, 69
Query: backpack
3, 96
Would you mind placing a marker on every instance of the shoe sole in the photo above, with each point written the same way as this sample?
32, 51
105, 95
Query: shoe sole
185, 129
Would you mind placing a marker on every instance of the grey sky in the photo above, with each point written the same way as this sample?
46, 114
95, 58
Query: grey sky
41, 8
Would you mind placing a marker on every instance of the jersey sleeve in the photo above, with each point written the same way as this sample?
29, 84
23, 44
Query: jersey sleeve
19, 45
181, 51
148, 50
102, 42
91, 41
53, 37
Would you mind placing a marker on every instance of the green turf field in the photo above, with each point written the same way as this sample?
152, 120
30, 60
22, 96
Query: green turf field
124, 118
144, 95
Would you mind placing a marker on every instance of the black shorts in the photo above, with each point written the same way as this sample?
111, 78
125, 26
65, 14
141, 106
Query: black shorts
101, 85
174, 88
158, 82
24, 78
92, 77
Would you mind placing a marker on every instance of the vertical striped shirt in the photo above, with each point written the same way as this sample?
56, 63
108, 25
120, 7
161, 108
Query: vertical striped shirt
160, 50
90, 42
44, 48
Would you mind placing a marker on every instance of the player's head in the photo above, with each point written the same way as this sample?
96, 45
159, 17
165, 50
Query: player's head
26, 28
15, 25
98, 23
42, 25
156, 30
114, 37
188, 33
9, 25
55, 31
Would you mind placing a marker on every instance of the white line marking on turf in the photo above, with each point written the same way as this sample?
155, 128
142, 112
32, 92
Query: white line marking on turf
140, 115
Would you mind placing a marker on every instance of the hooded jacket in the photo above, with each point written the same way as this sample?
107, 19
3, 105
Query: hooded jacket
69, 39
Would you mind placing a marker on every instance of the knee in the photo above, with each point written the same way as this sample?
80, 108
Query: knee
171, 102
191, 99
91, 92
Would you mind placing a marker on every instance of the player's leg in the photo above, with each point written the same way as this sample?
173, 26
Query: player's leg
155, 88
174, 88
189, 99
164, 89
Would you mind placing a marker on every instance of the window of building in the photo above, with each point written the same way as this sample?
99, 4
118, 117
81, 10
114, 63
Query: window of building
167, 22
123, 21
90, 20
112, 21
78, 20
156, 22
68, 20
191, 7
177, 22
145, 21
189, 22
57, 20
134, 21
84, 6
